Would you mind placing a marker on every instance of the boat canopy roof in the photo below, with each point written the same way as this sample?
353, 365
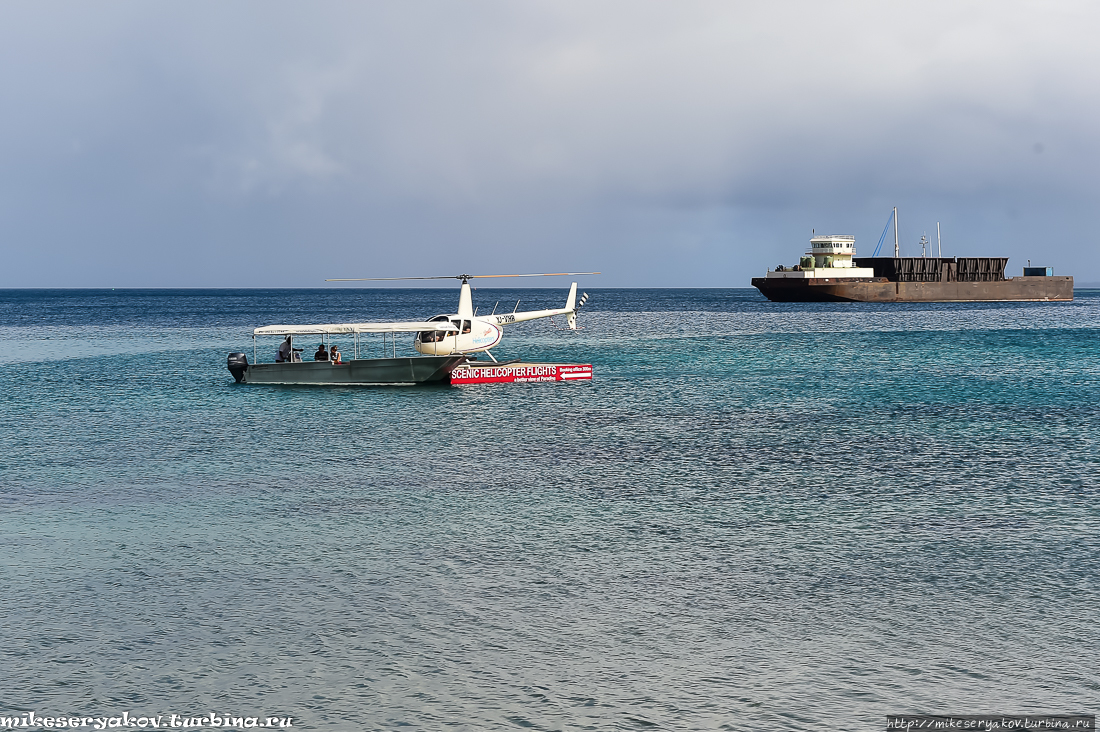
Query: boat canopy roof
339, 328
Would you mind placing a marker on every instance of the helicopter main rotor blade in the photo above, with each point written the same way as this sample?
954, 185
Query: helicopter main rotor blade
457, 277
541, 274
379, 279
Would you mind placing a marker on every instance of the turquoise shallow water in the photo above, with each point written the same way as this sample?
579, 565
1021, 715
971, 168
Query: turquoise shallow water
757, 516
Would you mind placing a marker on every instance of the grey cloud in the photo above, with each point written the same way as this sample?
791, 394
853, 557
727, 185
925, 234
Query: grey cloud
668, 144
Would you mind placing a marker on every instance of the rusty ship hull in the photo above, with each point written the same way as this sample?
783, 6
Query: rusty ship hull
880, 289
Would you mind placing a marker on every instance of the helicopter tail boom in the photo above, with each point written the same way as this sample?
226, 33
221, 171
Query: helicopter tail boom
570, 311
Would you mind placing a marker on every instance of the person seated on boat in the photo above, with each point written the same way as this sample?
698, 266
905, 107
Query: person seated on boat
283, 354
334, 354
322, 354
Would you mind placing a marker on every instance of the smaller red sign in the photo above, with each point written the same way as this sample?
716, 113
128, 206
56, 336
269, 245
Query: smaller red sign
521, 373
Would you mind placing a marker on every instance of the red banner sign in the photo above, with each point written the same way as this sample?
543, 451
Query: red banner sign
521, 373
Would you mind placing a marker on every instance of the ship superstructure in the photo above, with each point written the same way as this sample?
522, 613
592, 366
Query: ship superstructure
829, 257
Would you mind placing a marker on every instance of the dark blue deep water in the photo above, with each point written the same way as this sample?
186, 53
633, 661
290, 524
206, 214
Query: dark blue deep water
757, 516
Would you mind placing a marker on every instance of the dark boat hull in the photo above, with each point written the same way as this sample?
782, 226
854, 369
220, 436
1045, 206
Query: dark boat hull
360, 372
879, 289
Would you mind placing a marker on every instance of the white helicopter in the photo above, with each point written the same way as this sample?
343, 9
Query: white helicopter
480, 333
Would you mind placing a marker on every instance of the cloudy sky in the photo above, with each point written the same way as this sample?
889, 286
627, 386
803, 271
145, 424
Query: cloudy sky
681, 144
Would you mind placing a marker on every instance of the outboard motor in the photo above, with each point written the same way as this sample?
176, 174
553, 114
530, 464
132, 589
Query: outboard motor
237, 364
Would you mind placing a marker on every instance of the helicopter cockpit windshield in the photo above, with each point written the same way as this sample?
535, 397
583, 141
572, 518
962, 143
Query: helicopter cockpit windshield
434, 336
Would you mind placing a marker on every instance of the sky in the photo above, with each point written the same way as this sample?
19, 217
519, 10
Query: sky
263, 143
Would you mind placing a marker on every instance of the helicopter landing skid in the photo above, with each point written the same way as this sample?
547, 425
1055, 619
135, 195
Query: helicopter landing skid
472, 361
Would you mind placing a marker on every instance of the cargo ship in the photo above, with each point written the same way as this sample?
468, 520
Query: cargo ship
830, 272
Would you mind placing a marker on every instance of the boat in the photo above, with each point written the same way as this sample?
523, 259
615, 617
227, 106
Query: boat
390, 370
830, 272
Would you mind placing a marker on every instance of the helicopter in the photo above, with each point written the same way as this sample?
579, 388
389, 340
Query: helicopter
480, 333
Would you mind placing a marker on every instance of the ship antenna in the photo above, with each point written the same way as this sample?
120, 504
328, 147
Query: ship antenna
882, 238
939, 242
897, 251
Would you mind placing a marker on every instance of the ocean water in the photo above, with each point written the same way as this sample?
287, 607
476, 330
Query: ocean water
757, 516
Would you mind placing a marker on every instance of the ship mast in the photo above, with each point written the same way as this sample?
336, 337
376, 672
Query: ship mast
939, 242
896, 249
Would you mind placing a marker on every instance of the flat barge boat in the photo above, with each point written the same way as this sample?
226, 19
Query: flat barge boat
407, 371
830, 272
390, 370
